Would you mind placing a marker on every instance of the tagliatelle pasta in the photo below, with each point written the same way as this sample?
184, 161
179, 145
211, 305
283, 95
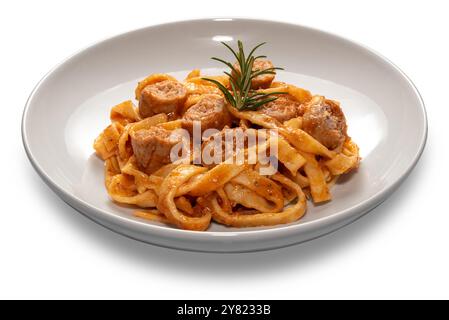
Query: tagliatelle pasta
289, 214
270, 159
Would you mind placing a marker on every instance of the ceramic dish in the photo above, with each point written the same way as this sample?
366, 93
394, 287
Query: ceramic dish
70, 105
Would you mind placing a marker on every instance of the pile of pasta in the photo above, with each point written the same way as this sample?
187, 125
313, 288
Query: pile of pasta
192, 196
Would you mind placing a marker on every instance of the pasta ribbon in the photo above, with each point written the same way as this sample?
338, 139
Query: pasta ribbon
166, 203
124, 113
289, 214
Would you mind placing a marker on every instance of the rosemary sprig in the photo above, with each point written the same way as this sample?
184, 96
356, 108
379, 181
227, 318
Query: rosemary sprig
241, 96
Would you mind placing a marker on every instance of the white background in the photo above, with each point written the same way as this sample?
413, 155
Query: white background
48, 250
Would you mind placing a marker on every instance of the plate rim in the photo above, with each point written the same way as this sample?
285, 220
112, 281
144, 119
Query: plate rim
244, 234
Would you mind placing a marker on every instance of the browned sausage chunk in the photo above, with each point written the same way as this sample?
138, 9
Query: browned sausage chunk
284, 108
210, 111
152, 148
324, 120
167, 96
261, 81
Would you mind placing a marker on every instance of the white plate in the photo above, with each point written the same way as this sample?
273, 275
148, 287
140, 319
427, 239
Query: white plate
71, 104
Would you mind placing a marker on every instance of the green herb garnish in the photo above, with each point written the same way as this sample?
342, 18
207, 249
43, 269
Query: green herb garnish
241, 96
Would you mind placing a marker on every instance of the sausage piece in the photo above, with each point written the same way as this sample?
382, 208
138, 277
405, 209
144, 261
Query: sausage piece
167, 96
152, 148
210, 110
284, 108
324, 120
261, 81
